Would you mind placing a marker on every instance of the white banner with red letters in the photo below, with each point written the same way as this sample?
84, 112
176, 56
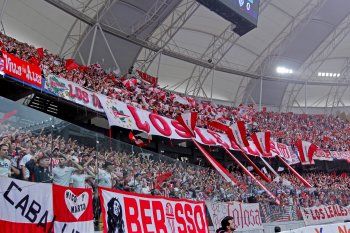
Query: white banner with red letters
22, 70
28, 207
285, 152
129, 117
246, 217
330, 228
133, 213
72, 92
325, 214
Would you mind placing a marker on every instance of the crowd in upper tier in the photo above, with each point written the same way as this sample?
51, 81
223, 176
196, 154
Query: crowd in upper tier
327, 132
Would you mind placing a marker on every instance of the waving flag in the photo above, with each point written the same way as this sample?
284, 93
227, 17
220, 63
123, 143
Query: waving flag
188, 120
238, 131
71, 65
306, 152
130, 83
262, 141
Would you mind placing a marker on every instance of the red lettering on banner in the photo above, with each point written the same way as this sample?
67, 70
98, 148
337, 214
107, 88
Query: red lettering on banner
157, 208
180, 130
189, 216
198, 215
164, 128
146, 220
179, 218
207, 141
218, 139
142, 126
96, 101
22, 70
132, 213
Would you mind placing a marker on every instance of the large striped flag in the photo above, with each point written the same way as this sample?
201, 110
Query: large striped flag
262, 141
239, 133
306, 152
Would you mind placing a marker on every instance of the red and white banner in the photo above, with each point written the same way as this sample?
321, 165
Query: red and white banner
246, 217
188, 120
325, 214
148, 78
72, 92
129, 117
22, 70
331, 228
133, 213
262, 141
28, 207
323, 155
73, 209
239, 133
285, 152
306, 152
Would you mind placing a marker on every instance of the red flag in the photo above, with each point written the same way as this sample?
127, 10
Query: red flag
138, 141
71, 65
34, 61
130, 83
188, 120
40, 52
306, 152
161, 178
262, 141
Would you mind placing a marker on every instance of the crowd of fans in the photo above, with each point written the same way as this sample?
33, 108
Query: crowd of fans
43, 157
327, 132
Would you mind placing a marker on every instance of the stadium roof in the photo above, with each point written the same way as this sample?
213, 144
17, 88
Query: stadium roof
195, 51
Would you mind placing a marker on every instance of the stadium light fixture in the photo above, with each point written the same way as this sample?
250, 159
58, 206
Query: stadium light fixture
322, 74
283, 70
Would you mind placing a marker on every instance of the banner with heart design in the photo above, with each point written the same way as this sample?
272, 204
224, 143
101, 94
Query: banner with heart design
73, 209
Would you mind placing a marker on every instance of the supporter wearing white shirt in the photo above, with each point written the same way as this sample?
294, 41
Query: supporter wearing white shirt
22, 164
62, 174
78, 180
5, 164
104, 177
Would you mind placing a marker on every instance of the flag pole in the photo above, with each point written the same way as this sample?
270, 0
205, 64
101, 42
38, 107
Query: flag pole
252, 176
307, 184
256, 168
223, 171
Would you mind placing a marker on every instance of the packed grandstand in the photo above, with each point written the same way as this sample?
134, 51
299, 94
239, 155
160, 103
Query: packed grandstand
52, 151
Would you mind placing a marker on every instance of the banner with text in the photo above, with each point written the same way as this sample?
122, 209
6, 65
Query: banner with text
325, 214
22, 70
28, 207
131, 213
129, 117
285, 152
246, 217
72, 92
331, 228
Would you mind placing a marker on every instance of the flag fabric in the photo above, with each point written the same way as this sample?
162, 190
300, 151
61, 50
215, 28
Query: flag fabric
40, 52
280, 169
262, 141
179, 99
306, 152
71, 65
28, 207
188, 120
130, 83
137, 141
239, 133
161, 178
